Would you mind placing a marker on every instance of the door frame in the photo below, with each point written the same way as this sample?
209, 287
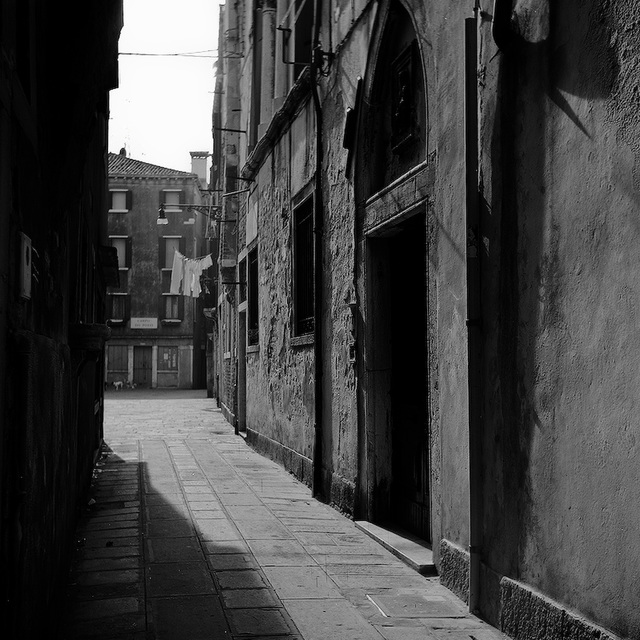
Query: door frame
376, 463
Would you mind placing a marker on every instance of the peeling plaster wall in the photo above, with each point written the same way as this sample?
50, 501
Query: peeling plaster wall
280, 375
559, 175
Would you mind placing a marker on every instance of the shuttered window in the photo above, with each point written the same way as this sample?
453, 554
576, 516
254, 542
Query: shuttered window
117, 359
121, 200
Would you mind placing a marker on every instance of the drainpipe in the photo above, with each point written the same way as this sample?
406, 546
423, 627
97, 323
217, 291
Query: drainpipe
316, 62
474, 308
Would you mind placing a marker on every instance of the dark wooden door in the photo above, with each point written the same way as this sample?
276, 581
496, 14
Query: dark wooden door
409, 387
142, 366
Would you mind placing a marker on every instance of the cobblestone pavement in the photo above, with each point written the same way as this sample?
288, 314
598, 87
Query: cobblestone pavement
193, 535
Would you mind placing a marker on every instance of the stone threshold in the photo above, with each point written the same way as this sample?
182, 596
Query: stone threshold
409, 548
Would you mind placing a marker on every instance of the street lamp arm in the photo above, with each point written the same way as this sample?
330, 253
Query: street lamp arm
205, 209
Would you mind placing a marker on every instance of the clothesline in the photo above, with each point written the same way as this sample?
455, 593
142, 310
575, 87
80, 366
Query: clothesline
185, 274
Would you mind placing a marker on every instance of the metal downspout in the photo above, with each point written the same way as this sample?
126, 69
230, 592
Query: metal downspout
474, 310
318, 229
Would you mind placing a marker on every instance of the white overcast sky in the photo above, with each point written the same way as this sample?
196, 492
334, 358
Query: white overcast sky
162, 108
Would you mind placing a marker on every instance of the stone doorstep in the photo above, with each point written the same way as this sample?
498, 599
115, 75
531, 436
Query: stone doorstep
409, 548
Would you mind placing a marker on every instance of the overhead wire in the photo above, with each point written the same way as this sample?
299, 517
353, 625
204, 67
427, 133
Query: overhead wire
185, 54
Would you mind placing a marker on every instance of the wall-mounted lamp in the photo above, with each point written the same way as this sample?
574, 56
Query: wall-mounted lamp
206, 209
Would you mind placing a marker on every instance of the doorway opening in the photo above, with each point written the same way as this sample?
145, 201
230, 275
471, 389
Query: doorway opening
398, 376
142, 366
242, 373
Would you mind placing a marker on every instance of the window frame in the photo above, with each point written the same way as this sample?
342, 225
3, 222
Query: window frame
162, 250
175, 356
253, 295
128, 251
168, 207
303, 268
179, 313
126, 312
128, 200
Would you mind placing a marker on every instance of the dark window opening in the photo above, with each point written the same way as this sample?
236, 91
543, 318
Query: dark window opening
303, 32
242, 278
303, 269
118, 308
252, 295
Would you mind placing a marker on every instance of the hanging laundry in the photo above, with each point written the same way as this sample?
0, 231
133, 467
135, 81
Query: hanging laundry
177, 272
185, 274
200, 265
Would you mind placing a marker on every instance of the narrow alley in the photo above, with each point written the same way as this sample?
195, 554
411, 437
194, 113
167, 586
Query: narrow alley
189, 533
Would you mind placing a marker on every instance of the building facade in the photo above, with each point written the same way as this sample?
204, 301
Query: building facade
431, 318
55, 265
158, 337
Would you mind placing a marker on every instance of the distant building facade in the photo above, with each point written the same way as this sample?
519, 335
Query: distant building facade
158, 338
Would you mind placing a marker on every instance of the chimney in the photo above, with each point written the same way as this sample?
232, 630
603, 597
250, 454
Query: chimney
199, 165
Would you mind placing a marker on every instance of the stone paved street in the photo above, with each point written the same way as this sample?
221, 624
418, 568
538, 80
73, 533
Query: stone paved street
193, 535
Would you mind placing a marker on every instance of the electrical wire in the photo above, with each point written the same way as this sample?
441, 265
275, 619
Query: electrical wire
186, 54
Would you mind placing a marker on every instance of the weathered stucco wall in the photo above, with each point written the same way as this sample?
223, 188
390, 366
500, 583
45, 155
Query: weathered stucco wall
560, 155
558, 184
280, 373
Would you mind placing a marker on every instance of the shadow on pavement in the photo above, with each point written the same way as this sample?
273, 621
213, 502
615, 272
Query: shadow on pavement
157, 557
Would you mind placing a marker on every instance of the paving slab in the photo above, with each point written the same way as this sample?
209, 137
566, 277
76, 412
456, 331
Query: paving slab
174, 550
195, 618
179, 579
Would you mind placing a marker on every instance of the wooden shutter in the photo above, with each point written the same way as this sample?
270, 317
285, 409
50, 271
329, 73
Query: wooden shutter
161, 307
129, 199
128, 254
182, 244
181, 307
127, 308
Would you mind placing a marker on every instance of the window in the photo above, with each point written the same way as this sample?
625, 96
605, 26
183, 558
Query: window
303, 32
167, 358
303, 269
170, 198
118, 310
252, 296
120, 201
228, 327
118, 358
171, 308
123, 246
166, 281
168, 245
124, 283
242, 279
403, 101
